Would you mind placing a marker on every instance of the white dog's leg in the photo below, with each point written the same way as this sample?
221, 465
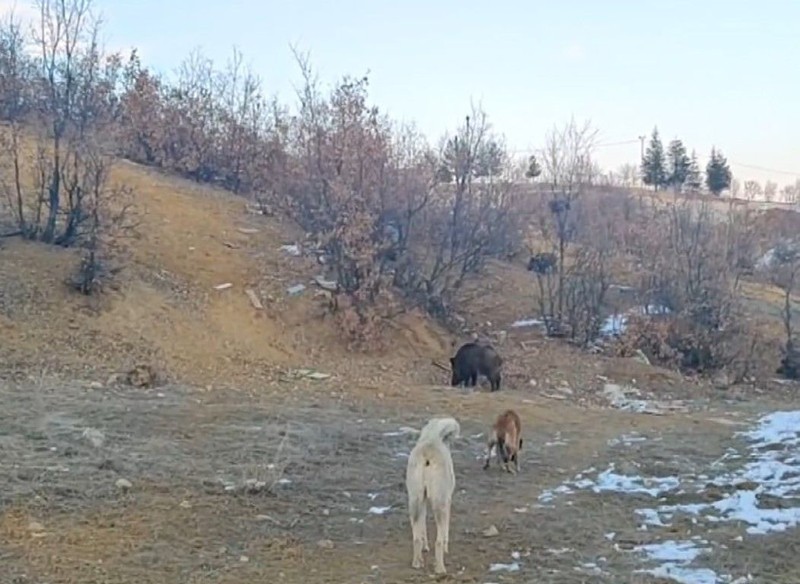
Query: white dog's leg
442, 515
419, 536
417, 531
423, 520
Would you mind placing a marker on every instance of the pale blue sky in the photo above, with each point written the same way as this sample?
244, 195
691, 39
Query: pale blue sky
720, 72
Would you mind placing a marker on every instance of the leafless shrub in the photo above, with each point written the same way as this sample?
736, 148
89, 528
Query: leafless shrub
572, 295
784, 274
692, 264
105, 235
60, 101
587, 282
465, 219
343, 150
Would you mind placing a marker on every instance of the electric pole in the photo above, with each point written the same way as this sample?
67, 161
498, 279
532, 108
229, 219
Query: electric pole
641, 157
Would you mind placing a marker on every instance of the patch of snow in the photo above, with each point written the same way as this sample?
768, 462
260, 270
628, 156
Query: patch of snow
650, 517
402, 431
686, 574
671, 551
559, 551
556, 443
773, 470
526, 322
292, 249
512, 567
675, 558
627, 439
378, 510
615, 324
610, 481
770, 468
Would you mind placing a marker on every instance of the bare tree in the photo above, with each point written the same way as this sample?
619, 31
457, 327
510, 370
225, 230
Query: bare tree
627, 174
68, 123
15, 103
693, 267
785, 275
736, 188
770, 190
790, 193
467, 219
568, 169
752, 190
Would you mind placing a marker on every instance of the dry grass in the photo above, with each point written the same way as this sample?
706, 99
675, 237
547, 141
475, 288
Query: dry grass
166, 311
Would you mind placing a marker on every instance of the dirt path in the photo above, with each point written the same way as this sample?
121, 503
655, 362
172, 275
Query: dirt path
227, 487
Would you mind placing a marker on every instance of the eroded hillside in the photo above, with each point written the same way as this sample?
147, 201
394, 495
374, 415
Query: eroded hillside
165, 310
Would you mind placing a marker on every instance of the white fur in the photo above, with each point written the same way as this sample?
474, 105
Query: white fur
430, 478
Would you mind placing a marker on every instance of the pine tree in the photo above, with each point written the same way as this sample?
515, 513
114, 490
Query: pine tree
694, 180
653, 164
718, 173
678, 165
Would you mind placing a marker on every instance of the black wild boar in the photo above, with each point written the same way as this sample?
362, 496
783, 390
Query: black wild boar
472, 360
543, 263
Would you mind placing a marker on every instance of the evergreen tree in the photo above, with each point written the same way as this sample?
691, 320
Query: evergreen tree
718, 173
490, 159
694, 180
654, 171
678, 165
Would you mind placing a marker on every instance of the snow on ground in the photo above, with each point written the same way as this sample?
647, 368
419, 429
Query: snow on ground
616, 324
739, 484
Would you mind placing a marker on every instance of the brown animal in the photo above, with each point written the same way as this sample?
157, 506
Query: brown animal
505, 439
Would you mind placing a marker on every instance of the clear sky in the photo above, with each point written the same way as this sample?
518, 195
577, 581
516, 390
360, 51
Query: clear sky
712, 72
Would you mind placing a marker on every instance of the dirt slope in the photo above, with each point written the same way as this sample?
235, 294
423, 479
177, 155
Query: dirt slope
165, 311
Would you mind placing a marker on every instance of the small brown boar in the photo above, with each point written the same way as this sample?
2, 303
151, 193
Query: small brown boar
505, 438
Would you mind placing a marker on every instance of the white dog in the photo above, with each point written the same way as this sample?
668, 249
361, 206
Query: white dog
430, 478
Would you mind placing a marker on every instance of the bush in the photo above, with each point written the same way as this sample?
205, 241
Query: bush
692, 265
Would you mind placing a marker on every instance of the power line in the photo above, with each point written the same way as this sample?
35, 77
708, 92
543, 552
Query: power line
600, 145
756, 167
633, 141
623, 142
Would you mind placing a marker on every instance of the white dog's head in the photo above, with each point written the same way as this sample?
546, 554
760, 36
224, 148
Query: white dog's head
446, 429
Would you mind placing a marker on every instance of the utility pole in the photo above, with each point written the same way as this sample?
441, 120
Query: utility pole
641, 158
